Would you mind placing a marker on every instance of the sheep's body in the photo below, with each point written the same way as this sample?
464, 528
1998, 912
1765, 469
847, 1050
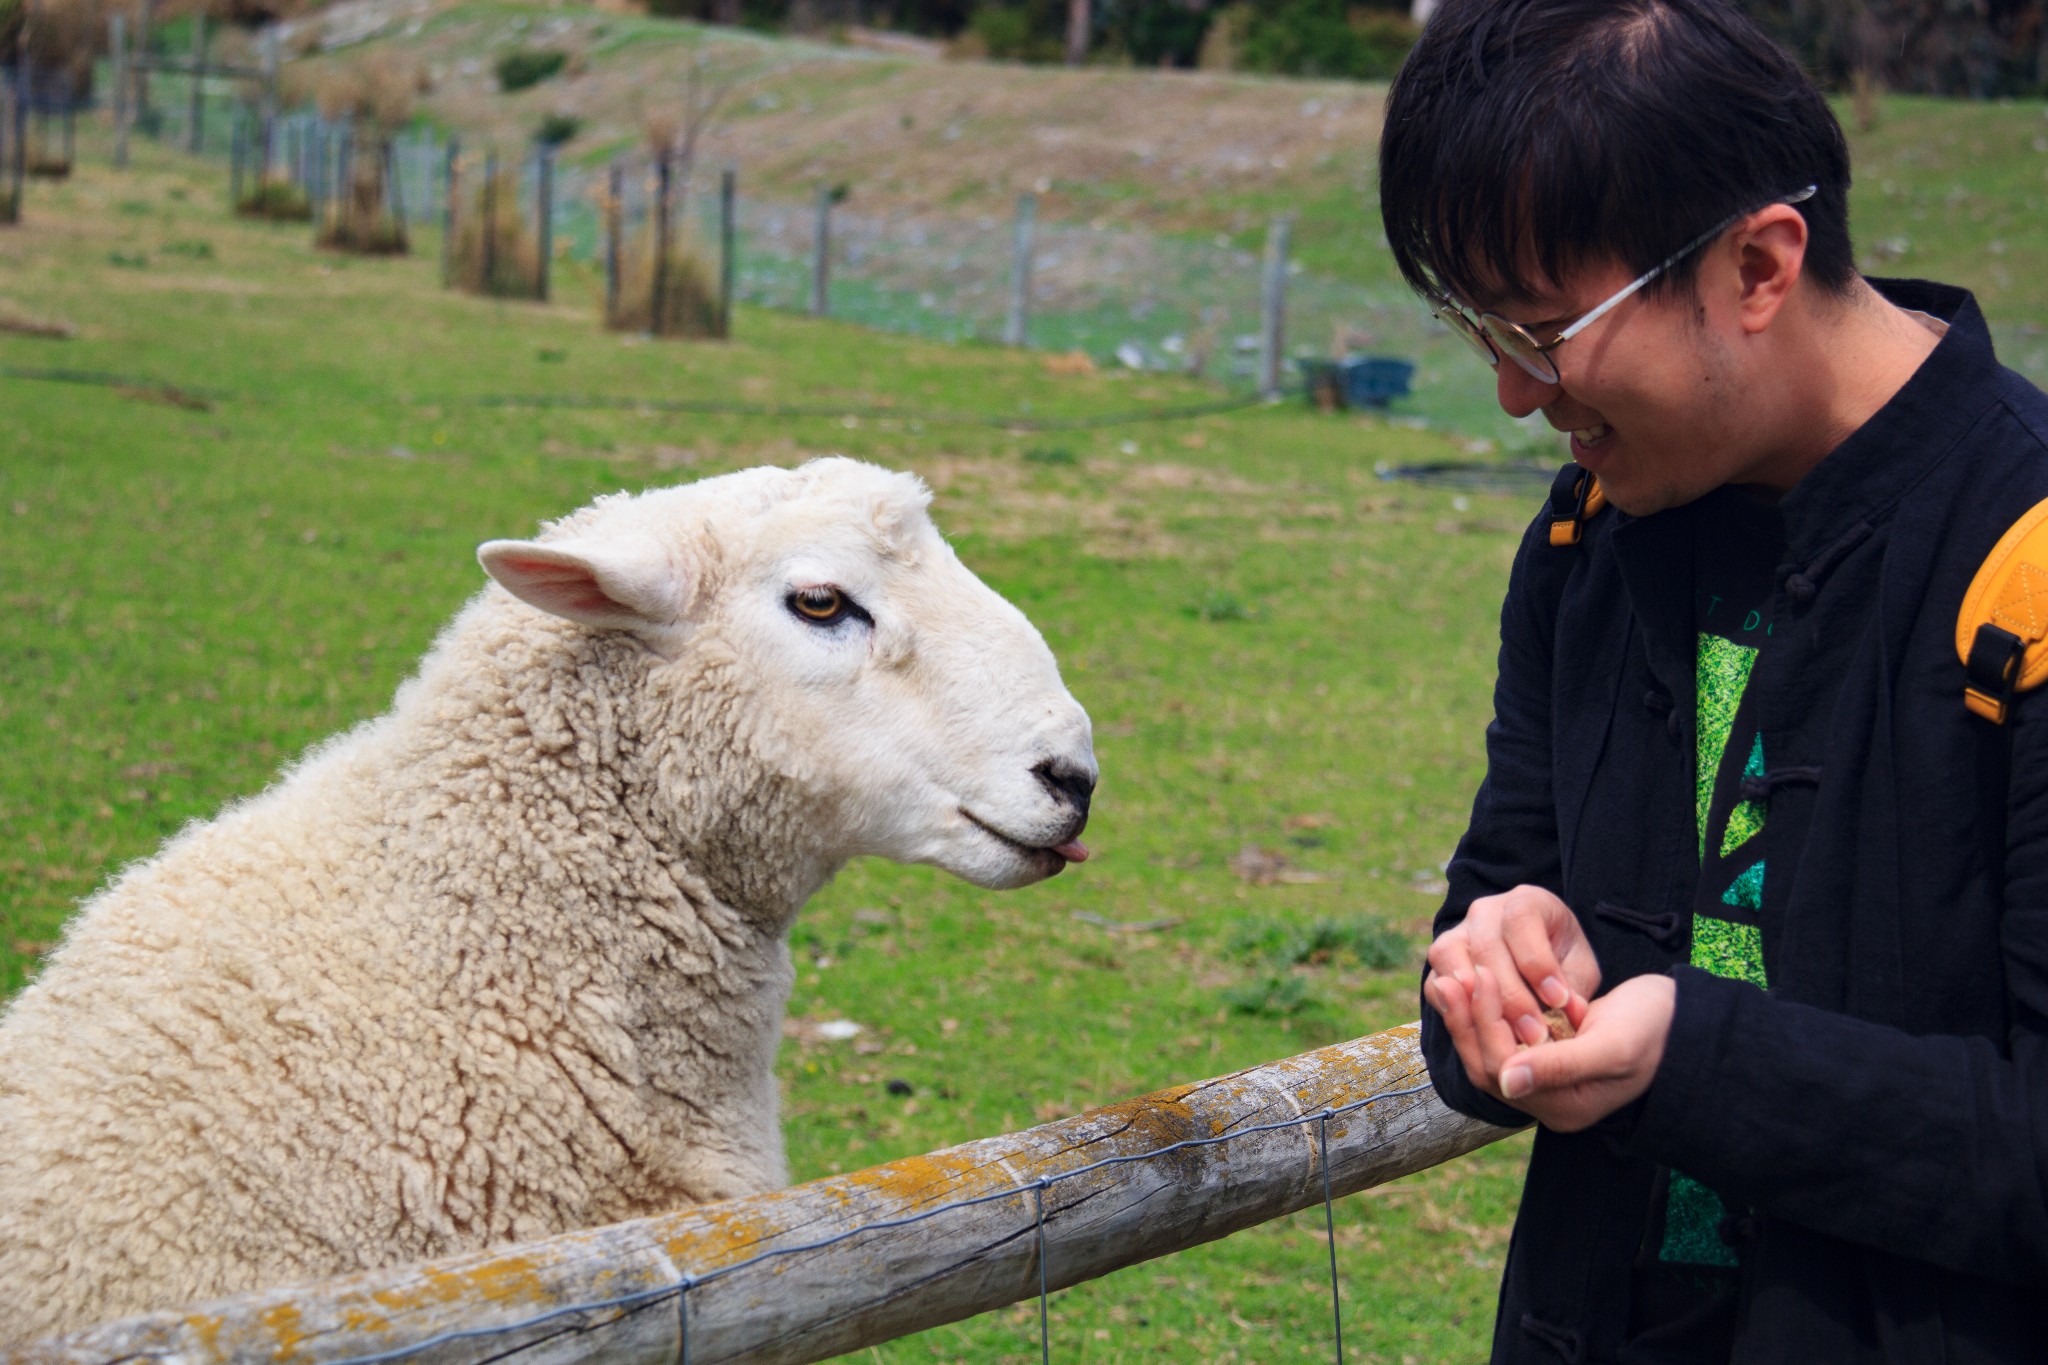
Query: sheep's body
507, 961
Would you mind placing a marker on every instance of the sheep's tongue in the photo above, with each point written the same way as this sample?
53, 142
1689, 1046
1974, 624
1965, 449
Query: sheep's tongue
1073, 850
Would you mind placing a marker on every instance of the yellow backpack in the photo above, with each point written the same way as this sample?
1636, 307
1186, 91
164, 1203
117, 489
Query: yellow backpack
2002, 631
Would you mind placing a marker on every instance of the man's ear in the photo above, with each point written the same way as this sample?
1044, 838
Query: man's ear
1770, 256
624, 583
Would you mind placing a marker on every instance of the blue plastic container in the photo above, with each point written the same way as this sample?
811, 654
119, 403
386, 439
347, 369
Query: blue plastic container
1357, 381
1374, 381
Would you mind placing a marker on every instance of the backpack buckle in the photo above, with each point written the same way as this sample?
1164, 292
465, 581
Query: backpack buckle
1575, 496
1992, 670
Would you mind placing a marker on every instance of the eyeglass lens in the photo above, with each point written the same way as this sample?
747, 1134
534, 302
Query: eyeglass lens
1492, 338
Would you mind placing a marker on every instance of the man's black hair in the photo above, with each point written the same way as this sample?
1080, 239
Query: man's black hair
1527, 136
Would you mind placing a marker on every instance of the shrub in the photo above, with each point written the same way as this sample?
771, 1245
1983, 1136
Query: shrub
379, 89
556, 129
528, 66
689, 303
1006, 33
494, 253
1326, 38
360, 220
1160, 32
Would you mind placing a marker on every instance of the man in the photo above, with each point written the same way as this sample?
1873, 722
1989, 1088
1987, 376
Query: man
1737, 827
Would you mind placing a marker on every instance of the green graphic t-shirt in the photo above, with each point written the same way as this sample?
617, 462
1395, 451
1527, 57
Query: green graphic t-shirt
1738, 543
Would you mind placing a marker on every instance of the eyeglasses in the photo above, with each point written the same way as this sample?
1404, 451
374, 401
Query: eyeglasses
1493, 336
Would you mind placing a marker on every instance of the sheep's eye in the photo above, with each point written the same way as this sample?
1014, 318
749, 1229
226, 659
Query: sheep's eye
824, 605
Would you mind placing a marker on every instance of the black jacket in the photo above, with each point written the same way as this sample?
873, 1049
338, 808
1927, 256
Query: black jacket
1879, 1118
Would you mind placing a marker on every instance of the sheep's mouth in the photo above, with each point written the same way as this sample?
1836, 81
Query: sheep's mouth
1071, 850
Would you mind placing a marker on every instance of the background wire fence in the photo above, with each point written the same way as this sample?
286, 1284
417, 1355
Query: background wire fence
1127, 300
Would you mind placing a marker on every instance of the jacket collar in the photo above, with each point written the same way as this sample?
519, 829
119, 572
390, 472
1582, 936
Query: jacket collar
1832, 509
1863, 478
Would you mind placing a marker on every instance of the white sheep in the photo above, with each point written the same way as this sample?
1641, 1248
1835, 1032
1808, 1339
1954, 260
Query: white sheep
512, 958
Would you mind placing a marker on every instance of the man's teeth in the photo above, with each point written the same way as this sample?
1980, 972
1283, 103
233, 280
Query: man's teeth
1586, 436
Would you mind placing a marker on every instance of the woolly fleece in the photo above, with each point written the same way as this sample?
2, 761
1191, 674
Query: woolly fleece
511, 959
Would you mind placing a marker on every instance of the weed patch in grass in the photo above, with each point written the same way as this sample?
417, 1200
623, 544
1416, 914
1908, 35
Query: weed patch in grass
1221, 605
1275, 995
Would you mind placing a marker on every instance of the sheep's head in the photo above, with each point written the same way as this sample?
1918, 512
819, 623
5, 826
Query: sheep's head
919, 711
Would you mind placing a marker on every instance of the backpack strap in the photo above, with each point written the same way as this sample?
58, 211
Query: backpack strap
1575, 496
2002, 631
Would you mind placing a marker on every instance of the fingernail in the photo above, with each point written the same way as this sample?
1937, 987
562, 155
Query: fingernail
1517, 1081
1532, 1029
1554, 992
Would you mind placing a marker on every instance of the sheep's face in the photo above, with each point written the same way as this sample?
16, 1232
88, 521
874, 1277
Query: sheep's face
919, 712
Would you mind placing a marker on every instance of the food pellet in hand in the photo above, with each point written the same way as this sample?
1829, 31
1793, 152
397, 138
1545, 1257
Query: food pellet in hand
1560, 1026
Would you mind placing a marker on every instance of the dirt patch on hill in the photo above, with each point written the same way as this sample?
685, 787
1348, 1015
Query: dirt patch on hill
1110, 147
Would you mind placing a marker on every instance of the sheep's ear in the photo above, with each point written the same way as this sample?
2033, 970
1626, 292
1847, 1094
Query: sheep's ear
615, 585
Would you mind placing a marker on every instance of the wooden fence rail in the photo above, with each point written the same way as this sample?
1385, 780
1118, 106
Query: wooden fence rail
838, 1264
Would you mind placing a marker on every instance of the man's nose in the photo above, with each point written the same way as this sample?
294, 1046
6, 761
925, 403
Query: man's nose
1520, 392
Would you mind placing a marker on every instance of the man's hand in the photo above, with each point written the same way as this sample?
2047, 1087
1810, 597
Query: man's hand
1574, 1084
1538, 955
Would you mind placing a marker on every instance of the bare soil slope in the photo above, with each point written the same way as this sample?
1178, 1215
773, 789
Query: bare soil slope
1162, 151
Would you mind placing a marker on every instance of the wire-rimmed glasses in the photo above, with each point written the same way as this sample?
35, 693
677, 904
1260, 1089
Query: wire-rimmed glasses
1494, 336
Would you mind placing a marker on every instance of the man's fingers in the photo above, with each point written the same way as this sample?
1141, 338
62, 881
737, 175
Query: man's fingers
1556, 1066
1528, 938
1451, 956
1454, 1004
1575, 1010
1518, 1005
1496, 1038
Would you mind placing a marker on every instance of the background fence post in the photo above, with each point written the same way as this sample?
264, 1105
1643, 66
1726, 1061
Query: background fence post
268, 107
392, 170
195, 118
117, 43
544, 206
24, 95
614, 225
237, 138
448, 213
11, 163
144, 40
488, 201
821, 255
657, 290
1019, 320
345, 183
728, 196
1273, 307
316, 165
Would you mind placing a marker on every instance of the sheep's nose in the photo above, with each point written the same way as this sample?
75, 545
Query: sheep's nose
1067, 782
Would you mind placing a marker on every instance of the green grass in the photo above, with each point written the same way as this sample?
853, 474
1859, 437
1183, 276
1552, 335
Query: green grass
1276, 647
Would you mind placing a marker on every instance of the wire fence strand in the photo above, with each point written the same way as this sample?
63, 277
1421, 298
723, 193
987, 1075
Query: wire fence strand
623, 1305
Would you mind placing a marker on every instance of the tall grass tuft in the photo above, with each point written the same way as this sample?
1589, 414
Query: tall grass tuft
689, 291
495, 252
278, 200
